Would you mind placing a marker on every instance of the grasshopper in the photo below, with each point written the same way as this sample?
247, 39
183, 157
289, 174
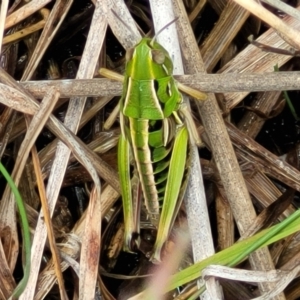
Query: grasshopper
156, 128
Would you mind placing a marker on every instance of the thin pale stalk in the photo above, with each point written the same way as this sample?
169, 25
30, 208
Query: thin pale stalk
47, 153
128, 34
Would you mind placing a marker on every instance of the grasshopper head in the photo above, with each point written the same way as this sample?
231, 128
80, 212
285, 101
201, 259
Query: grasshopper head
148, 60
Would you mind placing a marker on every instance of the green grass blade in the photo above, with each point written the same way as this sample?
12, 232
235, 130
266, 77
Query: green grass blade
25, 230
232, 255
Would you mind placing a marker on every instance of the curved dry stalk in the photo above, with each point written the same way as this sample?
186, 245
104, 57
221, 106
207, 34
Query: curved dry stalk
196, 11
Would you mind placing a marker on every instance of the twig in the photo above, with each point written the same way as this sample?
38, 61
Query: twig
210, 83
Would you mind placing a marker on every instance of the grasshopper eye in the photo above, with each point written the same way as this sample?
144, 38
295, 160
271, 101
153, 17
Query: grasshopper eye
158, 56
129, 54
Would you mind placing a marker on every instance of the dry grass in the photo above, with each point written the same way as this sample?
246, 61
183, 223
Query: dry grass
78, 160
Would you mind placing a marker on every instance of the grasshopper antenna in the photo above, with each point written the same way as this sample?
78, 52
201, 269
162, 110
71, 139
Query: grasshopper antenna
162, 29
127, 26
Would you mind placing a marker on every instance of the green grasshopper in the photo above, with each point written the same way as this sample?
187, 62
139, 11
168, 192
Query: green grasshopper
155, 126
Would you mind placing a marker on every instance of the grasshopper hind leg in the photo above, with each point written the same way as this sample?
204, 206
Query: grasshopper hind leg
130, 209
174, 191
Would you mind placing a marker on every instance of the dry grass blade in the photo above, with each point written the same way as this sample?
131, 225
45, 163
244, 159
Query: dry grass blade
58, 14
281, 278
267, 161
262, 188
69, 247
90, 248
46, 213
123, 28
252, 123
288, 33
7, 119
16, 100
46, 155
225, 222
24, 12
271, 213
195, 202
82, 153
195, 199
229, 24
197, 9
